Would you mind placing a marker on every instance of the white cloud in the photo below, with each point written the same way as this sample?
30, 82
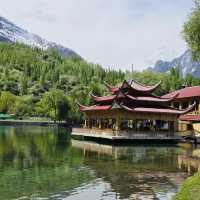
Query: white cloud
114, 33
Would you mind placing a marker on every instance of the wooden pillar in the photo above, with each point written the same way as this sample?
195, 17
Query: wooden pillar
180, 105
118, 121
92, 122
100, 123
89, 122
85, 123
176, 126
169, 125
170, 128
198, 106
135, 124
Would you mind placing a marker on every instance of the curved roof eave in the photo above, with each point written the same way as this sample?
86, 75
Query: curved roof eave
102, 99
133, 85
159, 110
140, 87
111, 88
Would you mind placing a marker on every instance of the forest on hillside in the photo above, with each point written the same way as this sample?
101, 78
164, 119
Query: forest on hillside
41, 83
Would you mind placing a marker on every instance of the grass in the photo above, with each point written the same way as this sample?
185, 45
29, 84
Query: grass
190, 189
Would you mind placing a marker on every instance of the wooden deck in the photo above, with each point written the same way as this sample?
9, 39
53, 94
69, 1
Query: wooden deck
112, 135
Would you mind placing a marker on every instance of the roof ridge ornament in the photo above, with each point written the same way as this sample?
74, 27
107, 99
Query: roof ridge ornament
115, 105
111, 88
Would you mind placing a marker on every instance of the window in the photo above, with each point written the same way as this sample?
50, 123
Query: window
185, 104
176, 104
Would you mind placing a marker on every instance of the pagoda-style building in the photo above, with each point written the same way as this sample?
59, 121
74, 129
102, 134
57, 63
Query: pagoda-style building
132, 111
187, 96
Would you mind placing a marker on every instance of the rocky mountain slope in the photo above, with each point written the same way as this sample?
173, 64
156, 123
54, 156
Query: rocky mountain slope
184, 62
9, 32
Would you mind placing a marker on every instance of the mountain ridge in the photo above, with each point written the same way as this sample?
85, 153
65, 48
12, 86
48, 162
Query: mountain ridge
10, 32
184, 62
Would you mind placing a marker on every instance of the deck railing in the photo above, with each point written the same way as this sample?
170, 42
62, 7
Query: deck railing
128, 133
194, 113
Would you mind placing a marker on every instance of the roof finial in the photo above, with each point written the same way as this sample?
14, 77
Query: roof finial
132, 72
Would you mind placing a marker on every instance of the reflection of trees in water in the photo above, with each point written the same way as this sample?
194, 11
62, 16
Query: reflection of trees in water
32, 144
135, 171
41, 160
38, 160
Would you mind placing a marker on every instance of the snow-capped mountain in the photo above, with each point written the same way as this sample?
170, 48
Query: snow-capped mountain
184, 62
9, 32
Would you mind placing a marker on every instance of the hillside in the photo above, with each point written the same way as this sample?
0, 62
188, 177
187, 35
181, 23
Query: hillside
32, 72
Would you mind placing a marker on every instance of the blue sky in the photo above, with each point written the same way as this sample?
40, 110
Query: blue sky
114, 33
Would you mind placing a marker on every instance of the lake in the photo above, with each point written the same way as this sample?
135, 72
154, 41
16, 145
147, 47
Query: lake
45, 163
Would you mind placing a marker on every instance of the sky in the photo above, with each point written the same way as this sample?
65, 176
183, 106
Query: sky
114, 33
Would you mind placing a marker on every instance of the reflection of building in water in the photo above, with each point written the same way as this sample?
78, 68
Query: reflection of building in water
135, 171
132, 154
191, 163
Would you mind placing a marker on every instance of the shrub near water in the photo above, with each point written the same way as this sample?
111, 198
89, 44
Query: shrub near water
190, 189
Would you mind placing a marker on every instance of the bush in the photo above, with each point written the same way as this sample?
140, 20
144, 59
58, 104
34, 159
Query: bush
190, 189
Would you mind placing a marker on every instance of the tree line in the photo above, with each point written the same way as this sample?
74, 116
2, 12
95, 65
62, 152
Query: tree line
34, 82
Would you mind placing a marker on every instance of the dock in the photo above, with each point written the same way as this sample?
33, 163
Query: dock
118, 136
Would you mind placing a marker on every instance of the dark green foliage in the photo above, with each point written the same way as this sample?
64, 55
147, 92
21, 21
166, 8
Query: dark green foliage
33, 76
190, 189
175, 79
33, 72
191, 31
54, 104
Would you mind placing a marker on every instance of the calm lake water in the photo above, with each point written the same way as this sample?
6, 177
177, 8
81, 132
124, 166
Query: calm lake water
44, 163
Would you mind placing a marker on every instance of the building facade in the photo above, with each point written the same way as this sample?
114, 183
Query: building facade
132, 111
186, 97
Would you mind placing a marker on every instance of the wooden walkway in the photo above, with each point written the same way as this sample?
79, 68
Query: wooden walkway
124, 135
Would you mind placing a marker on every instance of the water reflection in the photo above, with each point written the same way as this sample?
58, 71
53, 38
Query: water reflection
38, 162
43, 162
138, 172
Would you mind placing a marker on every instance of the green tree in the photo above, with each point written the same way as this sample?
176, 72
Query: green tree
175, 80
55, 104
191, 31
7, 102
23, 85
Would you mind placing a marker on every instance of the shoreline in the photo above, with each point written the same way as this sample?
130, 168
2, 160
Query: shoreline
31, 122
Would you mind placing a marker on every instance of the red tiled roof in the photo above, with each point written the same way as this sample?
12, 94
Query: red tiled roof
104, 98
190, 118
112, 88
140, 87
153, 99
137, 109
185, 93
95, 107
158, 110
134, 85
110, 98
121, 94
